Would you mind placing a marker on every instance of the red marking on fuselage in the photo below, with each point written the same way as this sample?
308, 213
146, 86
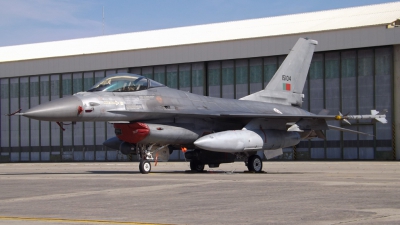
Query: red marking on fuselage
80, 110
132, 132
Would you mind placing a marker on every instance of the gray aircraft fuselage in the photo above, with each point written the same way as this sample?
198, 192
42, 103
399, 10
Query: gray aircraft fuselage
152, 104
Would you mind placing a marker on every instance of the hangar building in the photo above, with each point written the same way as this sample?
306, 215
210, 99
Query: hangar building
356, 68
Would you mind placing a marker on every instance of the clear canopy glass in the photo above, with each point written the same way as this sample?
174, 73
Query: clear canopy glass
124, 83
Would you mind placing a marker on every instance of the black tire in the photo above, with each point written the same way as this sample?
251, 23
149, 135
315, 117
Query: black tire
140, 166
255, 164
144, 167
196, 165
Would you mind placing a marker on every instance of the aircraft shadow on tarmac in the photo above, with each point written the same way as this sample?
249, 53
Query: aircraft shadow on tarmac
39, 173
190, 172
206, 172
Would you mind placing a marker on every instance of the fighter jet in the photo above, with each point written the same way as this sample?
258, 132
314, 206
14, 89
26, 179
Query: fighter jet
151, 120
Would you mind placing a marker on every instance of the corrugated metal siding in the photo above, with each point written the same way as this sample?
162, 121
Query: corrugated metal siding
330, 40
255, 28
396, 100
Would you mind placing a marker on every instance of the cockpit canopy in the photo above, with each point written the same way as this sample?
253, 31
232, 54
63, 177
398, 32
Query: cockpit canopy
125, 82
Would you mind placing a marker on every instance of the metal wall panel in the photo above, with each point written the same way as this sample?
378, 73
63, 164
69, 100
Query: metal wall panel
14, 157
45, 156
89, 155
245, 48
35, 156
396, 95
100, 156
355, 81
112, 155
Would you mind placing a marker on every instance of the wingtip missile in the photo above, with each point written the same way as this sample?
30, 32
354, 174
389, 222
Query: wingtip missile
378, 116
342, 117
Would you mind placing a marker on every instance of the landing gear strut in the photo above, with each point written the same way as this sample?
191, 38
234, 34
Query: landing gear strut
254, 164
148, 153
144, 165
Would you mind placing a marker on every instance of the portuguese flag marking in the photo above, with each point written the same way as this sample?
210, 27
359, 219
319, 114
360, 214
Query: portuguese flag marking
286, 86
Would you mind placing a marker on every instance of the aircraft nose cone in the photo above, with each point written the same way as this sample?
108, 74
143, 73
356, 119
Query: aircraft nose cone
63, 109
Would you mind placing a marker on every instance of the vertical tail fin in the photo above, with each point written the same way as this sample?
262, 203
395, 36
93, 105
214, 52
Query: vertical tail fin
292, 74
286, 86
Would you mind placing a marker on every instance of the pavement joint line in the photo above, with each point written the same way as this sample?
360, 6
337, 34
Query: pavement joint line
62, 220
108, 191
369, 218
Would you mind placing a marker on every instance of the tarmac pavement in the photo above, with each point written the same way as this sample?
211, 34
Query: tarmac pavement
290, 192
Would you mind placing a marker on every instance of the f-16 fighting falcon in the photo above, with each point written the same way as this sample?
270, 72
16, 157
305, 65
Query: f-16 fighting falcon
151, 120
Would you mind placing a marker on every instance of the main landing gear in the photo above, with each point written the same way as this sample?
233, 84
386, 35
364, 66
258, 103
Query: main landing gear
254, 164
198, 158
196, 165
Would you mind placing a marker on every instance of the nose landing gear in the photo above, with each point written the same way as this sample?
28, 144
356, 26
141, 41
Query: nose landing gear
144, 166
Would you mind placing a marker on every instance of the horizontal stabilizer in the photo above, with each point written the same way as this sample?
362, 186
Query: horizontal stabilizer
383, 112
348, 130
323, 112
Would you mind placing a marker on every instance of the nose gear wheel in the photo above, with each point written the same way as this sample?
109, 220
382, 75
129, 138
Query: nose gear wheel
144, 166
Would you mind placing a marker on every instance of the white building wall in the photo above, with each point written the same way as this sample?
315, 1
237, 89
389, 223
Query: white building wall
267, 46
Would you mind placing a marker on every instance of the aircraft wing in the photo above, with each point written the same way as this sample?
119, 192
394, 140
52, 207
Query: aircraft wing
230, 115
276, 116
316, 122
169, 113
375, 115
243, 115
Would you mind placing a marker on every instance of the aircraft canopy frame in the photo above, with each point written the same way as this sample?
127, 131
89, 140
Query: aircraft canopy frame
124, 83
